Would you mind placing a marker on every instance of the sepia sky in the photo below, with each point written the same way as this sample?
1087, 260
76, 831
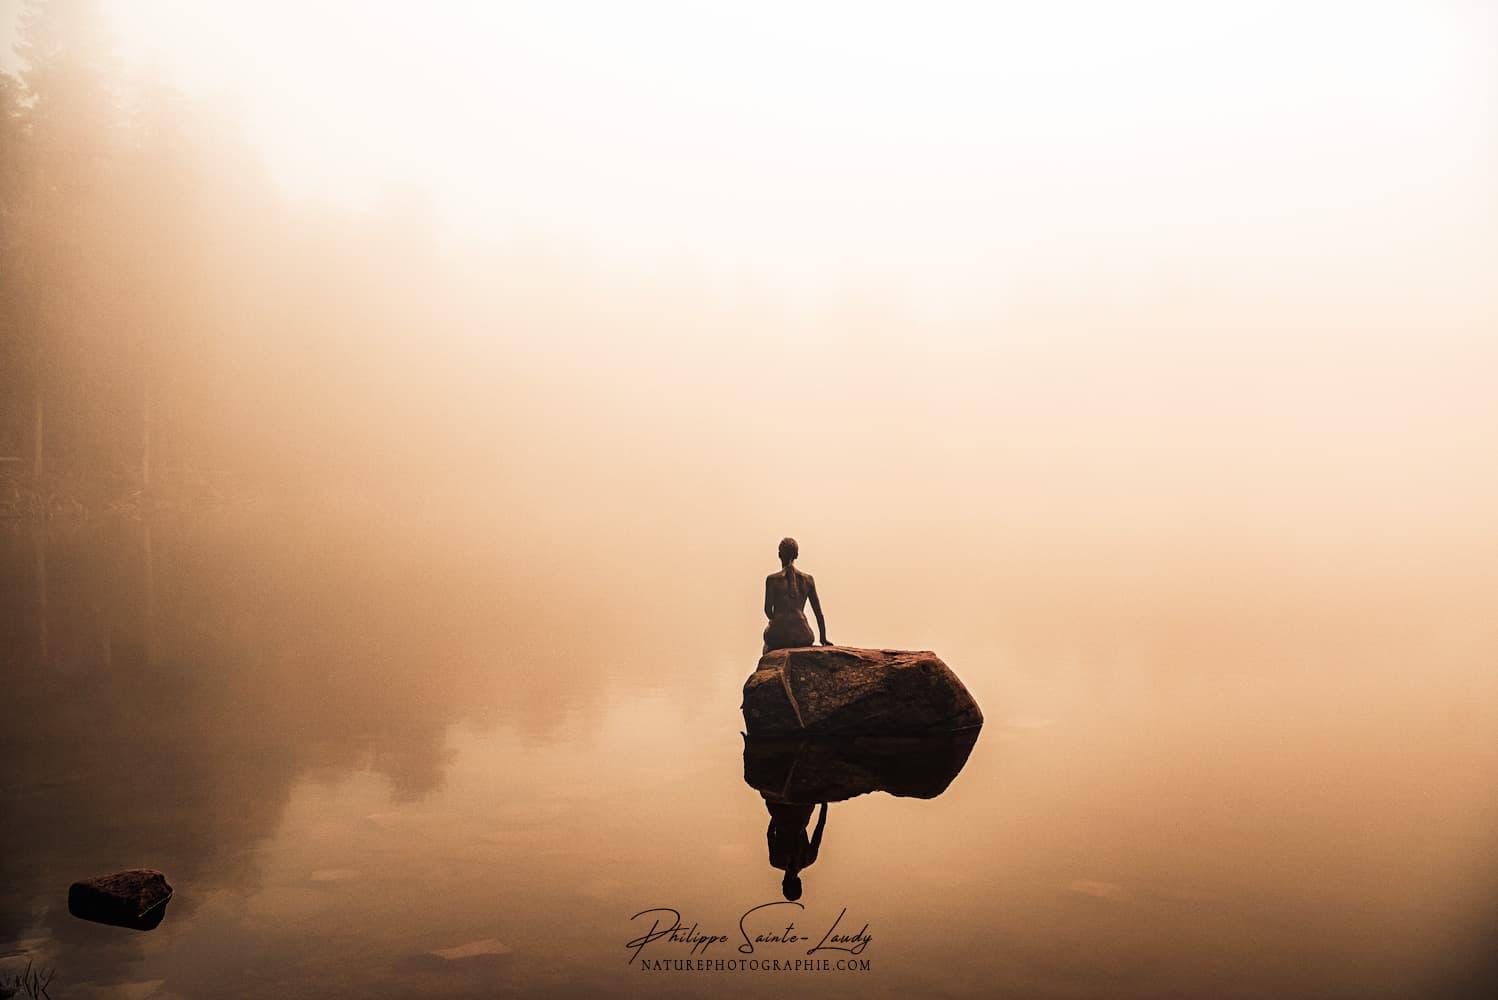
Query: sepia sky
951, 149
1102, 273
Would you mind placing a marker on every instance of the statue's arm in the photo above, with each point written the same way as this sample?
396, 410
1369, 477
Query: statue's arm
816, 608
769, 600
816, 837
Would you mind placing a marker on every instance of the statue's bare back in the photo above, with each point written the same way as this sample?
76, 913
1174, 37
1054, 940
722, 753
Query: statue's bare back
786, 594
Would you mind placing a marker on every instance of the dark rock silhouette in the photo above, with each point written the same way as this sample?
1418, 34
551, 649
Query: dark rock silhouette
833, 769
135, 898
840, 691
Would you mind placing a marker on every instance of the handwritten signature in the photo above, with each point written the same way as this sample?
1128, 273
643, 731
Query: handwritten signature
755, 929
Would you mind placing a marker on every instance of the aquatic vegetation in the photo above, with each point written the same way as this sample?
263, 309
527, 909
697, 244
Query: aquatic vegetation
31, 983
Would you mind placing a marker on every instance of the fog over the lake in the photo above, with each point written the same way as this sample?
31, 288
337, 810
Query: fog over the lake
464, 363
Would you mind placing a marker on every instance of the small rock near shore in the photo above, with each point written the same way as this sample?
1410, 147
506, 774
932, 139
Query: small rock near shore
133, 898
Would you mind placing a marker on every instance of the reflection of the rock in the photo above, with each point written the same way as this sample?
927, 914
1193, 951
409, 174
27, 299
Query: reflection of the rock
800, 776
831, 769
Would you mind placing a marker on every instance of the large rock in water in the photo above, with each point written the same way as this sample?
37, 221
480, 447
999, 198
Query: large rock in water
135, 898
837, 691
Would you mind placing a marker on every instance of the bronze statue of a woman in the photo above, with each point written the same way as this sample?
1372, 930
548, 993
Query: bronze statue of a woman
786, 594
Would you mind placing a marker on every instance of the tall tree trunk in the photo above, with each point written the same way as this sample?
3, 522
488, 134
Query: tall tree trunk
145, 439
148, 558
43, 616
36, 433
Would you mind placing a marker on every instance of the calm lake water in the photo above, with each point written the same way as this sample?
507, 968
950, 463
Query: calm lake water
354, 748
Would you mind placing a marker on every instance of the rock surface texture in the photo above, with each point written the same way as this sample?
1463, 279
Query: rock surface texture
841, 691
135, 898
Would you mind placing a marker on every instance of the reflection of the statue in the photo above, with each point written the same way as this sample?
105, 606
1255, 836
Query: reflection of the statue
790, 850
797, 776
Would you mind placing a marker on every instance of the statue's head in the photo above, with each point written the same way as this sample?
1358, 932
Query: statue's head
789, 550
791, 886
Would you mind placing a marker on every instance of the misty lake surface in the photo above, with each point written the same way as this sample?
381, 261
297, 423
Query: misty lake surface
407, 754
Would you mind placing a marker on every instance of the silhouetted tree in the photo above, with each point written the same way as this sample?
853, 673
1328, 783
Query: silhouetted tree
68, 121
162, 307
14, 358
